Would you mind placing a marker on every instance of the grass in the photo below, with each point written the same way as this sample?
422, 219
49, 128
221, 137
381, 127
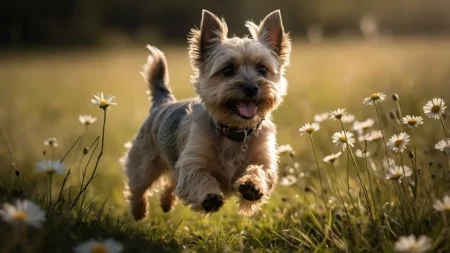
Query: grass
42, 94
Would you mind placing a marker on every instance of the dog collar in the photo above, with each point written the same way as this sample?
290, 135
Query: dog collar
237, 134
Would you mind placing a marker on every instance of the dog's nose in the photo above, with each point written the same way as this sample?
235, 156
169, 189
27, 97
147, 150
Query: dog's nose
250, 89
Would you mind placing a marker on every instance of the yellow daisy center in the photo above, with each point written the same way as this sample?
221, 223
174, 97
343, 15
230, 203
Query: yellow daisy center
396, 175
446, 208
414, 246
436, 109
21, 215
99, 248
342, 138
310, 129
104, 103
398, 143
374, 96
412, 122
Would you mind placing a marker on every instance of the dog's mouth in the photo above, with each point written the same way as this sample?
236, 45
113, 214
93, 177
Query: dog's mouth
247, 109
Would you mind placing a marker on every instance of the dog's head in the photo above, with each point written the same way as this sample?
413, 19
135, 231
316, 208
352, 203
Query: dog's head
240, 80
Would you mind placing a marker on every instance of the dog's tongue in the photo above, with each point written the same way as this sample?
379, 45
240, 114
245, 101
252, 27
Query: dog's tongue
247, 109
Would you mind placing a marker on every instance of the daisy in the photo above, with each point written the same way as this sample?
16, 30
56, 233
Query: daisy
128, 144
288, 180
397, 143
348, 118
321, 117
105, 246
413, 121
52, 142
374, 135
375, 97
442, 206
309, 128
434, 108
361, 154
363, 126
103, 103
50, 166
285, 149
398, 172
444, 146
412, 245
341, 139
24, 211
338, 114
87, 119
332, 158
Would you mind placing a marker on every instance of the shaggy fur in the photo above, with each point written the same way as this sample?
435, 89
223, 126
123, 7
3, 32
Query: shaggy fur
178, 146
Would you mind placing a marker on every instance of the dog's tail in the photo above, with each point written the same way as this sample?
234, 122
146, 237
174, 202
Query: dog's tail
156, 75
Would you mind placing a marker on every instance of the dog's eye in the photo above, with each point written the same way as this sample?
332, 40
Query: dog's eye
229, 71
261, 70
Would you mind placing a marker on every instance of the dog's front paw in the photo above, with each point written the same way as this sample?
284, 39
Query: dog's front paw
250, 192
212, 203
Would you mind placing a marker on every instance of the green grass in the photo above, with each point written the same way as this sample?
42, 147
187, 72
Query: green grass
42, 94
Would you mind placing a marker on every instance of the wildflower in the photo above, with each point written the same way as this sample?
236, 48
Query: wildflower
374, 98
87, 119
332, 158
288, 180
93, 246
341, 139
444, 146
362, 154
413, 121
128, 144
442, 206
434, 108
309, 128
348, 118
374, 135
398, 172
103, 103
52, 142
395, 97
361, 127
285, 149
50, 166
397, 143
338, 114
24, 211
321, 117
411, 245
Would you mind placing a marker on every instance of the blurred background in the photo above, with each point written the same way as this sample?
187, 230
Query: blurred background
54, 55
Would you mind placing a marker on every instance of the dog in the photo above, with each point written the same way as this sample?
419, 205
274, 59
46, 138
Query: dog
223, 142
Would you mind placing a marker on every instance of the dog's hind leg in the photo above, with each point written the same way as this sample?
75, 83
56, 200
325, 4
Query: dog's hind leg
143, 167
168, 198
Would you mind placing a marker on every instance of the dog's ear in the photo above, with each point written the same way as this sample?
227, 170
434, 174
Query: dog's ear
271, 33
213, 31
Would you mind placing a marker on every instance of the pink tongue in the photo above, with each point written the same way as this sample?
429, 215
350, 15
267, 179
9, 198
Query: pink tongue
247, 109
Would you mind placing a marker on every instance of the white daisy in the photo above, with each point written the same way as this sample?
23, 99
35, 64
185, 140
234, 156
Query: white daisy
93, 246
375, 97
103, 103
288, 180
24, 211
361, 154
87, 119
338, 114
409, 244
348, 118
128, 144
52, 142
341, 139
397, 143
285, 149
50, 166
397, 172
444, 146
321, 117
332, 158
309, 128
442, 206
361, 127
374, 135
412, 121
434, 108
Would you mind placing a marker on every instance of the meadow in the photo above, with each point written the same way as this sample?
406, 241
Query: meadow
345, 206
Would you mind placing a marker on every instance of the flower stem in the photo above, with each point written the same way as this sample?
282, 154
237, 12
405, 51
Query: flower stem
50, 175
443, 126
382, 133
318, 169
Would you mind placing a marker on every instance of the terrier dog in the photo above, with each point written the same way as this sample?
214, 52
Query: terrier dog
223, 142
